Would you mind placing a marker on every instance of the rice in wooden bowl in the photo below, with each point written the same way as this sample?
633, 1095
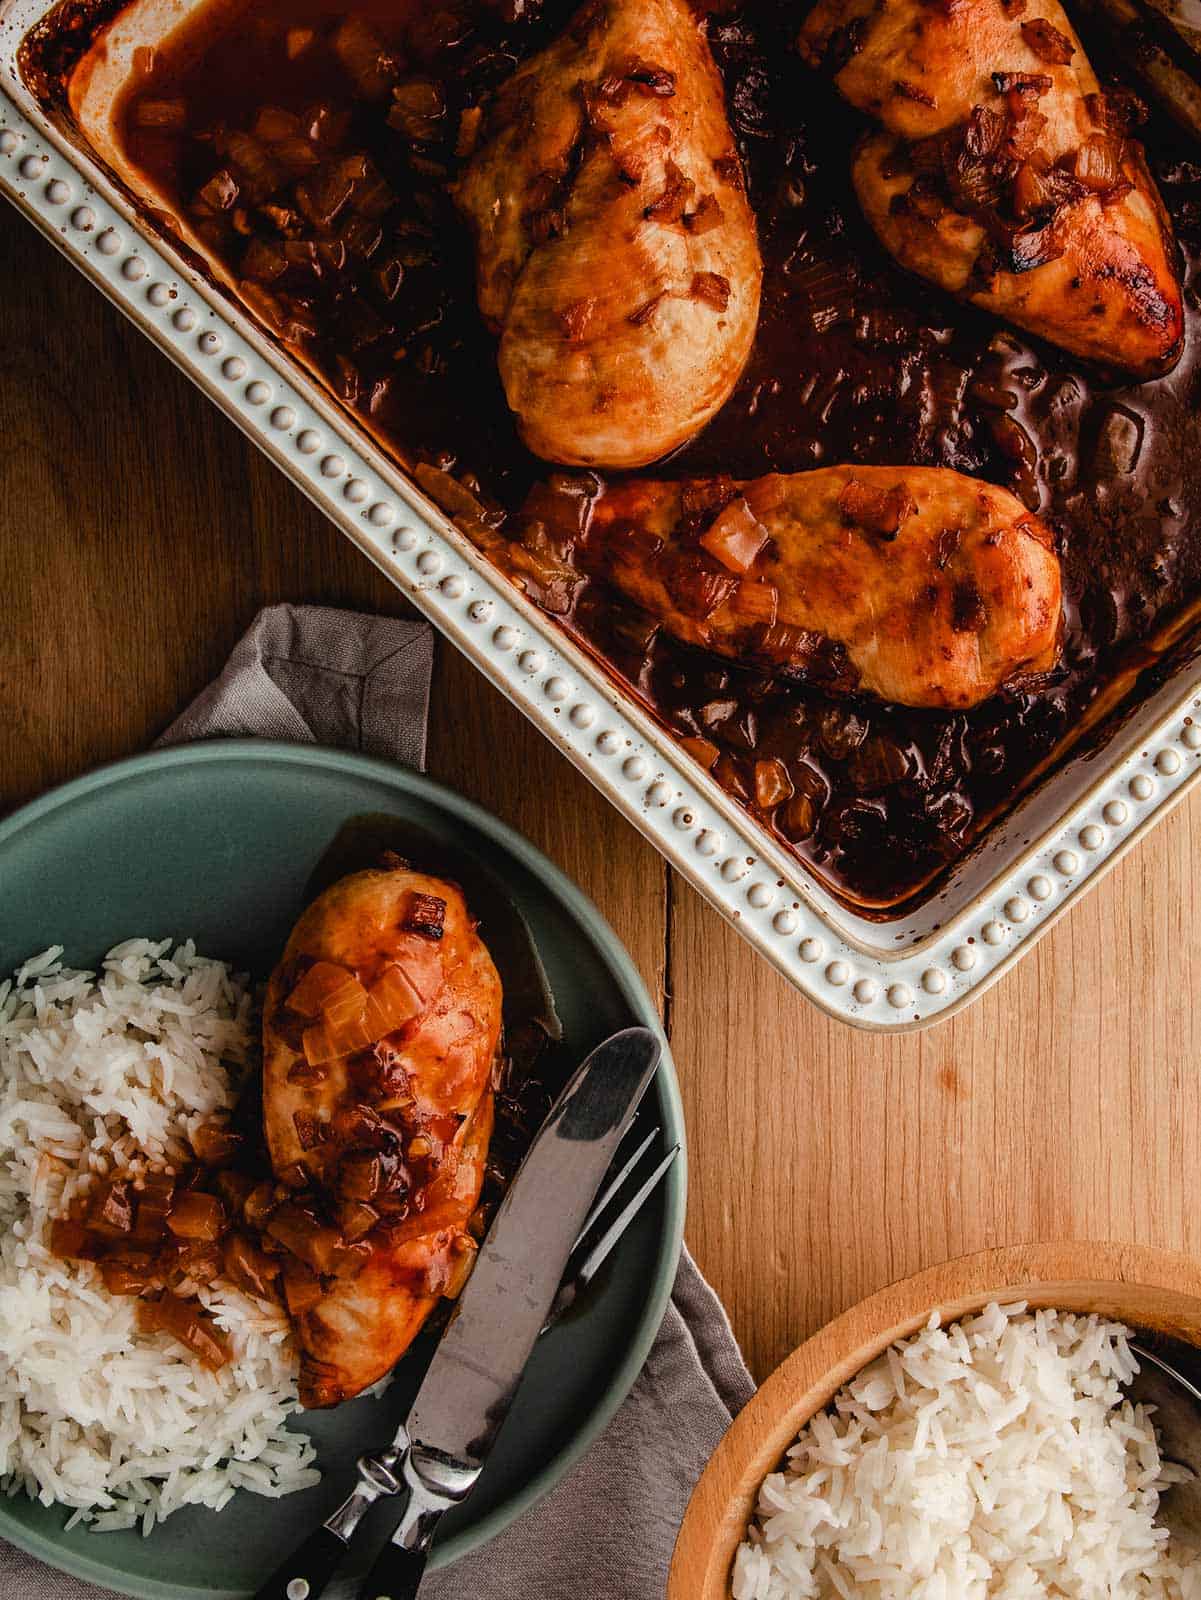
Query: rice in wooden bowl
962, 1433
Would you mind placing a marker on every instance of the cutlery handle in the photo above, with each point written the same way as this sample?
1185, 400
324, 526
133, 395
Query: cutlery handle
396, 1575
307, 1570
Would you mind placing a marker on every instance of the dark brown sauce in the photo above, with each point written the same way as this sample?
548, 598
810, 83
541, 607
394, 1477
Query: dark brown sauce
853, 361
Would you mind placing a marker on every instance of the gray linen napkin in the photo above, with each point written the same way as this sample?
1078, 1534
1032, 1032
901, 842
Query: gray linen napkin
606, 1533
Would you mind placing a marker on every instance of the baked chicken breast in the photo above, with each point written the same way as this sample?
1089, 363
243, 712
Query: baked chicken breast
380, 1031
1003, 174
914, 584
616, 250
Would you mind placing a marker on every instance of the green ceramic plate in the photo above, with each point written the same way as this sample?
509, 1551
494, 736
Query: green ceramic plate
217, 842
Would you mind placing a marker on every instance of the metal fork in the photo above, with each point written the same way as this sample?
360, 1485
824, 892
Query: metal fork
590, 1251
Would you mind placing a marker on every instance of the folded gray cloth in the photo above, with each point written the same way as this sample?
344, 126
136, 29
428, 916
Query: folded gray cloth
606, 1532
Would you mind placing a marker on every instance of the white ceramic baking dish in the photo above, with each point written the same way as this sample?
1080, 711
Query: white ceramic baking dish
891, 975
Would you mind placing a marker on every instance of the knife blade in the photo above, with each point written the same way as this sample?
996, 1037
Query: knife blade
469, 1387
439, 1452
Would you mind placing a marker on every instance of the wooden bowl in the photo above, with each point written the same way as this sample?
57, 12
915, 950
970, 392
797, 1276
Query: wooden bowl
1151, 1289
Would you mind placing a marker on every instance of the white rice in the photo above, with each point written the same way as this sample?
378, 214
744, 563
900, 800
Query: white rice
998, 1457
99, 1074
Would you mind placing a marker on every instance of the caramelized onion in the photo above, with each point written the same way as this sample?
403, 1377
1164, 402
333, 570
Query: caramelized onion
772, 783
699, 589
300, 1231
184, 1321
391, 1002
235, 1189
756, 602
879, 511
798, 818
426, 915
984, 134
264, 260
708, 215
110, 1209
302, 1287
250, 1268
703, 751
273, 123
728, 772
350, 1259
370, 67
214, 1144
154, 1202
1047, 42
447, 492
356, 1219
323, 1042
196, 1215
418, 110
1098, 164
68, 1239
640, 317
359, 1124
712, 288
359, 1176
221, 191
736, 537
260, 1203
128, 1275
678, 189
297, 154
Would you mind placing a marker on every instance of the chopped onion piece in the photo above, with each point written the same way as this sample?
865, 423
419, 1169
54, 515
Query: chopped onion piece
302, 1287
299, 1231
252, 1269
128, 1275
185, 1322
196, 1215
1098, 163
736, 537
772, 783
702, 750
319, 984
756, 602
214, 1144
391, 1002
356, 1219
110, 1210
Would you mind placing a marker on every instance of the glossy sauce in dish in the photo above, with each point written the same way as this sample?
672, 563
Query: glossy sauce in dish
853, 361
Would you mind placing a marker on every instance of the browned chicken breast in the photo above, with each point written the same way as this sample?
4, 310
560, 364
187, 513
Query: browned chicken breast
380, 1030
914, 584
1003, 174
617, 256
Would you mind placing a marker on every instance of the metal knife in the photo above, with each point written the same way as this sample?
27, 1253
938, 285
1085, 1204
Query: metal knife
439, 1452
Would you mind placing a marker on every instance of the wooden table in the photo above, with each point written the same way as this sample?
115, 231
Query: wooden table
140, 535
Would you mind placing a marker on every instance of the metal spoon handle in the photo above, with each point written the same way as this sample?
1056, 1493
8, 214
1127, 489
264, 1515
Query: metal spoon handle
307, 1571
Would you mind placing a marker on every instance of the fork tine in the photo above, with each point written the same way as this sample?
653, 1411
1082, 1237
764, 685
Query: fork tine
611, 1189
601, 1250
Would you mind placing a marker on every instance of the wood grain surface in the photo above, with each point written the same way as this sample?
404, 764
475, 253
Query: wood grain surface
140, 535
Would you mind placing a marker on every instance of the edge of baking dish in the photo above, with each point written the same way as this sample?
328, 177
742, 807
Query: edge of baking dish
889, 976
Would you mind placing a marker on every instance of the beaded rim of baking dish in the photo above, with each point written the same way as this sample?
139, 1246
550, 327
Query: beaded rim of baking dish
552, 682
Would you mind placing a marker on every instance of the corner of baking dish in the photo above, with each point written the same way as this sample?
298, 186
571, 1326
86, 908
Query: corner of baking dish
841, 962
